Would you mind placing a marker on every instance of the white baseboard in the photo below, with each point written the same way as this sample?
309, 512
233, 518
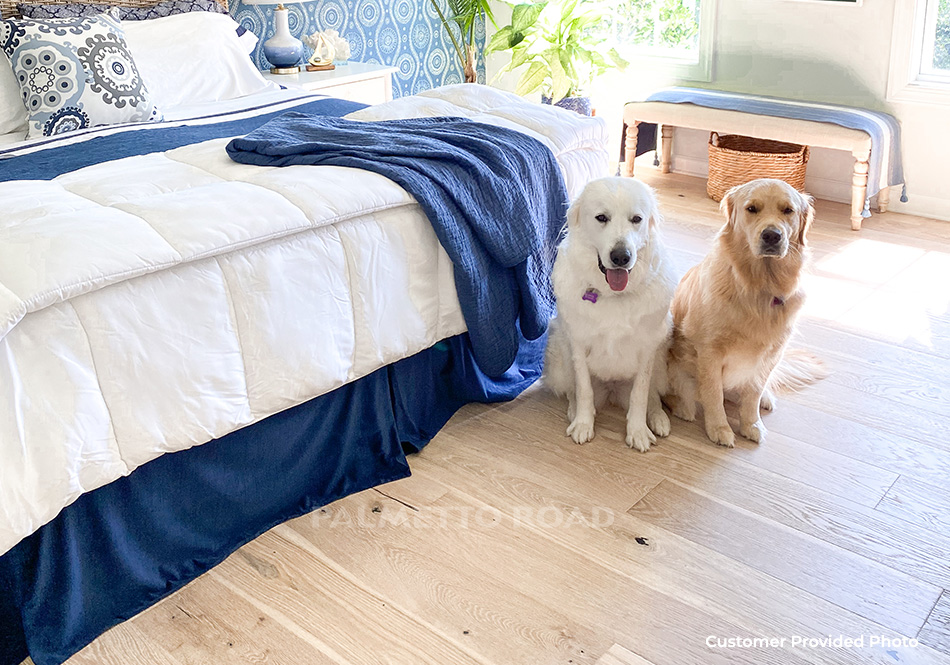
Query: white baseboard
924, 206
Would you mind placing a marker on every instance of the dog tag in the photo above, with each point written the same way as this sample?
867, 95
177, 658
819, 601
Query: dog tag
590, 295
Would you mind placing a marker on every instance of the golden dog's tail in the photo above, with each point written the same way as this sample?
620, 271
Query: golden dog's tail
797, 369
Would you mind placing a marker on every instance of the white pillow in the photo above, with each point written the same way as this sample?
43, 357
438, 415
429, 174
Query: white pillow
193, 58
12, 110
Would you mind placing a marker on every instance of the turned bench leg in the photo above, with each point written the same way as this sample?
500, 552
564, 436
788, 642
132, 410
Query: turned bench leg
666, 151
630, 148
859, 190
883, 199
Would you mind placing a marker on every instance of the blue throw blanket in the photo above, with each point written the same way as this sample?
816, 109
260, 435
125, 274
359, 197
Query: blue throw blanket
495, 197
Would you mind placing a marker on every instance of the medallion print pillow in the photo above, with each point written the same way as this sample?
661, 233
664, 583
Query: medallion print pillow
75, 73
158, 10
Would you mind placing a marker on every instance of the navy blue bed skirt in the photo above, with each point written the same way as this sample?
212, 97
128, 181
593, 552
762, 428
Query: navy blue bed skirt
119, 549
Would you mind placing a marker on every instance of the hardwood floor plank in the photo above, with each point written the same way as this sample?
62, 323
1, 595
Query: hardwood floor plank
622, 608
924, 426
413, 492
809, 564
919, 503
430, 570
207, 623
617, 655
860, 529
795, 460
782, 455
924, 391
357, 624
693, 572
936, 632
927, 368
122, 645
859, 441
904, 318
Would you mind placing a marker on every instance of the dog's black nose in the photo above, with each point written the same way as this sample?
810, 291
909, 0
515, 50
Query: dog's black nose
620, 256
771, 236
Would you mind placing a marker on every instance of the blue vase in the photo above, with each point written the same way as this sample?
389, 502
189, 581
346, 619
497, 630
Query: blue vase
283, 50
579, 105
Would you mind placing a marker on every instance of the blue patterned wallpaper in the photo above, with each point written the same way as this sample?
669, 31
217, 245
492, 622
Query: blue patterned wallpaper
406, 34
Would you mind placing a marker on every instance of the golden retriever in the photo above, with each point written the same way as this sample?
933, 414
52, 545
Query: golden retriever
734, 313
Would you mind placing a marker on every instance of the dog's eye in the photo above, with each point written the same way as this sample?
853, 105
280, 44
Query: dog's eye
787, 211
636, 219
602, 218
752, 209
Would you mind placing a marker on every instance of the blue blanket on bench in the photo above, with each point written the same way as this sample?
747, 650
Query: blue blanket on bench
495, 197
884, 167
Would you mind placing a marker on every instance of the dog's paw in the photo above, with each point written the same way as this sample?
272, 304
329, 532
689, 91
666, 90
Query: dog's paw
754, 431
659, 422
581, 429
640, 437
767, 401
721, 435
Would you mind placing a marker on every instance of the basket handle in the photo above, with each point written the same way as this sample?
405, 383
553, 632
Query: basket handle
714, 139
805, 155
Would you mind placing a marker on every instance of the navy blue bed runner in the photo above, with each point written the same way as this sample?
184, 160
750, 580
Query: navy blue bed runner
121, 548
495, 197
62, 154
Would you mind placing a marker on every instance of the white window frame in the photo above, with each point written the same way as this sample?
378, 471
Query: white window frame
905, 82
681, 68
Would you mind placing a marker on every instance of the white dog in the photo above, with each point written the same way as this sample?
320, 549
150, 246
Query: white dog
611, 334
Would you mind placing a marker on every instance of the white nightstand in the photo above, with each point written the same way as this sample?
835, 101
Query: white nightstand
355, 81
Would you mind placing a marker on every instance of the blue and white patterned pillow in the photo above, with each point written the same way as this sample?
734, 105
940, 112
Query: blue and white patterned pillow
75, 73
81, 9
169, 8
67, 10
160, 10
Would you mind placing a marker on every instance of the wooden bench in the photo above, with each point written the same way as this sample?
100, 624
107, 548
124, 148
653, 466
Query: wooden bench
805, 132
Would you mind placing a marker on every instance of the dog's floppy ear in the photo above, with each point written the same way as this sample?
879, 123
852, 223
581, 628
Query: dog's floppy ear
574, 214
728, 207
806, 217
655, 217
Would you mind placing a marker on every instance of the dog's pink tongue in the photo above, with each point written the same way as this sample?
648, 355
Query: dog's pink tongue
617, 279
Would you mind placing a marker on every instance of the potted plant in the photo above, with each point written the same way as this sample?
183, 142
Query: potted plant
465, 13
558, 42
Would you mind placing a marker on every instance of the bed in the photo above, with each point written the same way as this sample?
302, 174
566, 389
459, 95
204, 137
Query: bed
193, 350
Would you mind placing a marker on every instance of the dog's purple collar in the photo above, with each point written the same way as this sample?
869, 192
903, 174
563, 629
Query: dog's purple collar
777, 302
591, 295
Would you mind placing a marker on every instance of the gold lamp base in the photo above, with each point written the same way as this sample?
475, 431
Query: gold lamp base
285, 70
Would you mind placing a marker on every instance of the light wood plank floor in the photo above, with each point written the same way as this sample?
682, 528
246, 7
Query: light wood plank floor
512, 545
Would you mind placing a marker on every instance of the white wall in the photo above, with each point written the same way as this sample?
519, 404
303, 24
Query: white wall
818, 51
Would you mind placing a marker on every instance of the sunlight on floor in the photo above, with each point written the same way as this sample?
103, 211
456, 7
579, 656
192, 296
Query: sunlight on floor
913, 308
868, 261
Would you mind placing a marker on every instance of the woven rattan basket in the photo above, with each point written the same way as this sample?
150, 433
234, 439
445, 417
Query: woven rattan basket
735, 160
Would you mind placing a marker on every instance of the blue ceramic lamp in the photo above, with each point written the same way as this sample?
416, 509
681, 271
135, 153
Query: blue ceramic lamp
283, 51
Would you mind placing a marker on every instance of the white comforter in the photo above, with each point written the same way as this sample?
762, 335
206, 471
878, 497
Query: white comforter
153, 303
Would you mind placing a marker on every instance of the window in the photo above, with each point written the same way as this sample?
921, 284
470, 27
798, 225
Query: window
920, 52
676, 34
935, 48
